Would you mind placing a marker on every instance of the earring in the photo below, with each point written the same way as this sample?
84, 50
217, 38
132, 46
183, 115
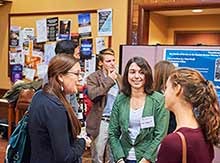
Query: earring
61, 87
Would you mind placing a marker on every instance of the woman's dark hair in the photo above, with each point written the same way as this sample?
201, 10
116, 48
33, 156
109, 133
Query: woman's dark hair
61, 64
65, 46
162, 70
145, 67
201, 94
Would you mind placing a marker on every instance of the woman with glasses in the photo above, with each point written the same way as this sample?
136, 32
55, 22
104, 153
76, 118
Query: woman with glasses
53, 126
138, 120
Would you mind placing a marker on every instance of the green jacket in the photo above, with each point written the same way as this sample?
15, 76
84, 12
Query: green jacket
148, 139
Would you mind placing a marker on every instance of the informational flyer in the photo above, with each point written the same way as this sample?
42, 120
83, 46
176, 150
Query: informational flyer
100, 44
49, 52
206, 61
41, 26
27, 35
16, 72
65, 27
52, 28
14, 36
86, 48
29, 73
104, 22
16, 58
42, 70
84, 22
90, 66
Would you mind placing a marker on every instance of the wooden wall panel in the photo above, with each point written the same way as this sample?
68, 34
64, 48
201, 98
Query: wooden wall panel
197, 38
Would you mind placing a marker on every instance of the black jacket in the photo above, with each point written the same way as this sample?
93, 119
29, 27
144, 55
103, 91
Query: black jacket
49, 131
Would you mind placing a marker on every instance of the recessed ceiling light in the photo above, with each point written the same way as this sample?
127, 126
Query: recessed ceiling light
197, 10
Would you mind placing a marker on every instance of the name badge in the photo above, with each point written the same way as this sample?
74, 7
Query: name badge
147, 122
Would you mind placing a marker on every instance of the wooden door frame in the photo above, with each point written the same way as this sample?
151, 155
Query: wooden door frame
144, 15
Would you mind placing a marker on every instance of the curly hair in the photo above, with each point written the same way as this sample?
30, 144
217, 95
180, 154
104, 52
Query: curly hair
202, 95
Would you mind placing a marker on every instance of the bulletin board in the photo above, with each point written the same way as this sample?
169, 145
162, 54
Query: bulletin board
27, 21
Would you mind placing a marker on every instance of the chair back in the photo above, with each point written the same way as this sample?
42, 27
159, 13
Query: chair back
24, 99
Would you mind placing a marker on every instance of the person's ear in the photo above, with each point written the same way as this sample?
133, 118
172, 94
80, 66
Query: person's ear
178, 89
100, 63
60, 78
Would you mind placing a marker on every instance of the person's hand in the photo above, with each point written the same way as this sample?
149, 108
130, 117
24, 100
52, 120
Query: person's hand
112, 74
143, 160
88, 140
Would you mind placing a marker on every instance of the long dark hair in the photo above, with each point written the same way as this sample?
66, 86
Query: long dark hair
145, 67
201, 94
61, 64
162, 70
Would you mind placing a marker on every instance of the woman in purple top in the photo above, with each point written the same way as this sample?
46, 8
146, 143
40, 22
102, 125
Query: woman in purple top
194, 102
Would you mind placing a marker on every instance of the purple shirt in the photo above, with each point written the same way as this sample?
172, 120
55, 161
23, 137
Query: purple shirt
198, 150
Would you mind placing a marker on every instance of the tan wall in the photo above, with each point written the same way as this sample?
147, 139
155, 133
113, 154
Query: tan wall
158, 30
189, 23
162, 28
24, 6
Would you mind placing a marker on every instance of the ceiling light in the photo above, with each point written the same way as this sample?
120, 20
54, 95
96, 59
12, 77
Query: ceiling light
197, 10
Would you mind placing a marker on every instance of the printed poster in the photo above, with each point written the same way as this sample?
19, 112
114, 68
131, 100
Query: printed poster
100, 44
14, 36
29, 73
16, 72
31, 59
41, 26
42, 70
52, 28
65, 26
49, 52
84, 22
86, 48
104, 22
90, 66
16, 57
27, 34
206, 61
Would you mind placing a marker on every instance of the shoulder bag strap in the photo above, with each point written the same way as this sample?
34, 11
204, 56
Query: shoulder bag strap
184, 153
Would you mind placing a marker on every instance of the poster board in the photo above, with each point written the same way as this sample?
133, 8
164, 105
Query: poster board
205, 59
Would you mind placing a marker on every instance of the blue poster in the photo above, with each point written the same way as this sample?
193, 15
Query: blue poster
206, 61
84, 22
105, 22
86, 48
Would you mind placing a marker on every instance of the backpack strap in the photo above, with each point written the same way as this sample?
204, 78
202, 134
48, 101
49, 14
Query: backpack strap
184, 150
